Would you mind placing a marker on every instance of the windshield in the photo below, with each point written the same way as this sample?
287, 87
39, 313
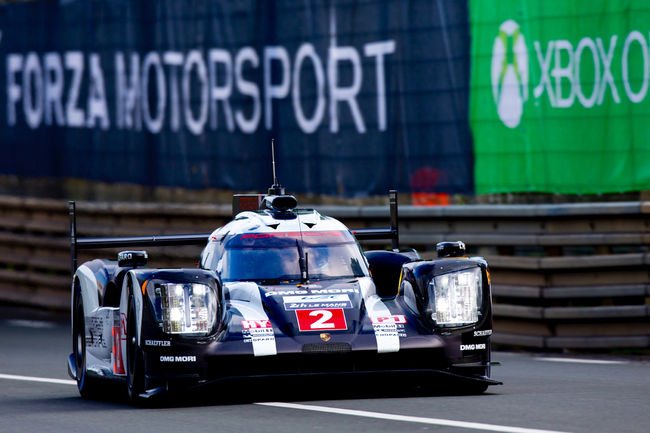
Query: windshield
276, 257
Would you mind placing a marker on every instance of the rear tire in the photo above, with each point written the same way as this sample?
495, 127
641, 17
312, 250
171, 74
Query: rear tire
134, 357
88, 386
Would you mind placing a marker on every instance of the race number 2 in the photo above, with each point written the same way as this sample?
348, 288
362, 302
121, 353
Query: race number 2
327, 319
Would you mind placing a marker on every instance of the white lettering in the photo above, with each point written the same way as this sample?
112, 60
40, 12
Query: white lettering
14, 93
33, 91
221, 93
97, 108
586, 43
545, 64
277, 91
640, 95
53, 77
464, 347
561, 73
172, 88
174, 60
608, 79
169, 358
339, 93
379, 50
195, 61
306, 51
74, 115
158, 343
127, 92
153, 122
248, 88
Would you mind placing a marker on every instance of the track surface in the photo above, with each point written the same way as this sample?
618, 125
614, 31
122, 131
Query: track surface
540, 393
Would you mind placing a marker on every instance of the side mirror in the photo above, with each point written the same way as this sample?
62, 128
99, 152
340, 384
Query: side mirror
131, 259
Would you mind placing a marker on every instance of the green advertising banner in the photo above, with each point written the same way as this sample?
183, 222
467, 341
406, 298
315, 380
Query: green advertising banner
560, 95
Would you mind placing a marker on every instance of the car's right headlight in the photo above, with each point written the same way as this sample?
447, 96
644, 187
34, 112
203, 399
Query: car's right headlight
188, 308
457, 297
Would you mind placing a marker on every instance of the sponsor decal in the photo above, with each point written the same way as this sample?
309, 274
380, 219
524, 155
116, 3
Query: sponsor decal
483, 333
143, 77
177, 358
255, 324
468, 347
387, 326
397, 318
258, 335
329, 319
613, 60
310, 292
257, 331
96, 333
314, 302
386, 334
157, 343
510, 73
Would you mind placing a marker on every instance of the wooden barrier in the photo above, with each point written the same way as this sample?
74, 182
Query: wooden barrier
572, 276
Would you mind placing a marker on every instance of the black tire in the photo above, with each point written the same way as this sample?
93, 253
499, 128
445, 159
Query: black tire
134, 358
88, 386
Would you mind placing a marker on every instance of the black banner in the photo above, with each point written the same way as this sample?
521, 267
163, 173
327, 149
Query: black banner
361, 96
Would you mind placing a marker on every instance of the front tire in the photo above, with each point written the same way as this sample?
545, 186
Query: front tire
87, 385
134, 357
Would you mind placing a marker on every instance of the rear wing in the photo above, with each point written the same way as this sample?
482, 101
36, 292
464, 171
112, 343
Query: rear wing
87, 243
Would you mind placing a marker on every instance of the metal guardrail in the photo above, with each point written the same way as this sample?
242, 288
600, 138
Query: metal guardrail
565, 276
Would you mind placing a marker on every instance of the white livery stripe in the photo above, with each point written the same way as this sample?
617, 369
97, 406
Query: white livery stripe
412, 419
385, 333
245, 297
581, 361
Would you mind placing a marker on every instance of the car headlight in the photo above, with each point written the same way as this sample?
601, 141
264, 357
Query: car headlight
457, 297
188, 308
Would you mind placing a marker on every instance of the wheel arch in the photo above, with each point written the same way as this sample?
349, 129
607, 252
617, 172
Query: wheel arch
89, 285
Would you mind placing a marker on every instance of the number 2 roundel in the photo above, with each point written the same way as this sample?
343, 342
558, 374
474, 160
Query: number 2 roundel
326, 319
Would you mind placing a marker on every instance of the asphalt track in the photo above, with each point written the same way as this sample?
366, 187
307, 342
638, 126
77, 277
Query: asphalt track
541, 393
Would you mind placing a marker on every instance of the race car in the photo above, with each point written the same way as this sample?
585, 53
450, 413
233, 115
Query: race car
279, 291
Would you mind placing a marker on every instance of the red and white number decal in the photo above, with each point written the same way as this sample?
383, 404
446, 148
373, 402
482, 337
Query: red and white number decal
329, 319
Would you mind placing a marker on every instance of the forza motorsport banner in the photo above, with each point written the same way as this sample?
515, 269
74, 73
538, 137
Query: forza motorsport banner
559, 99
361, 95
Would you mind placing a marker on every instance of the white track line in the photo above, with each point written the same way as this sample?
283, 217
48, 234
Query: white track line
581, 361
37, 324
412, 419
338, 411
37, 379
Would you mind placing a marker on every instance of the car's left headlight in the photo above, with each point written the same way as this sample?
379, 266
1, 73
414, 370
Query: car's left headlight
457, 297
188, 308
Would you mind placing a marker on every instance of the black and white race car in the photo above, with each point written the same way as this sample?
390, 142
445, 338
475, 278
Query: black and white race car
278, 291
